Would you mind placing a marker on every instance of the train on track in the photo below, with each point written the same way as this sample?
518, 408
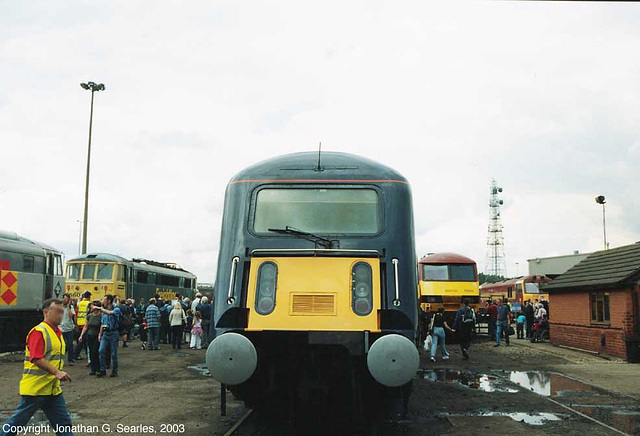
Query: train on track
516, 290
30, 272
316, 286
104, 273
446, 280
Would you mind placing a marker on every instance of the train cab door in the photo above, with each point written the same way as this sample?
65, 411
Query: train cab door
53, 276
128, 276
48, 277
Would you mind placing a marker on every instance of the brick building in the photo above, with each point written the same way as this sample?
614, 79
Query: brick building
595, 305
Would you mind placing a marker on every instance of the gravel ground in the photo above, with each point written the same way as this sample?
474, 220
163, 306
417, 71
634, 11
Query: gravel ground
449, 397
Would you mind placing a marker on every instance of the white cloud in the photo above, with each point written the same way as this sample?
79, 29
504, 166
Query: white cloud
542, 96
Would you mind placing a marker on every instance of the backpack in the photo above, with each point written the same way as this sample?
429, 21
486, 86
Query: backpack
468, 315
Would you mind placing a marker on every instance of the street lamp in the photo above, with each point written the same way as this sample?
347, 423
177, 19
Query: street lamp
93, 87
600, 200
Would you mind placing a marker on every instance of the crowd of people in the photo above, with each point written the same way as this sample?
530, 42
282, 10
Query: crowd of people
531, 323
96, 327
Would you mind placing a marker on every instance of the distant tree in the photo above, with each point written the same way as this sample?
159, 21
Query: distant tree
483, 278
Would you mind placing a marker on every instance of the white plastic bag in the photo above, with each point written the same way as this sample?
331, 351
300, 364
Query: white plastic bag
427, 343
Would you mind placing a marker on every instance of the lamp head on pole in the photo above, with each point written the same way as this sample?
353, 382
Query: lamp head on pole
600, 199
93, 86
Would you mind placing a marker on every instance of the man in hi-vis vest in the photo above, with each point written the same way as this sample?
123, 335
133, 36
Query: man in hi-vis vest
42, 374
82, 309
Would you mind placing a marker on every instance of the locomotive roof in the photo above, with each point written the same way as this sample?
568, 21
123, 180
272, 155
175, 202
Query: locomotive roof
11, 241
446, 258
303, 166
137, 263
527, 279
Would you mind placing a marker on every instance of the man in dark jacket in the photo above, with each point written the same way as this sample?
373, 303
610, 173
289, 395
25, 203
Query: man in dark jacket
464, 324
529, 315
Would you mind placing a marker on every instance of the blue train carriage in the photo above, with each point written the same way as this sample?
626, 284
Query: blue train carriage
316, 286
104, 273
30, 272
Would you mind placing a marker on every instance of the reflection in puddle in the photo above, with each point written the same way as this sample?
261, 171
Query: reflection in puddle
527, 418
551, 383
481, 382
200, 369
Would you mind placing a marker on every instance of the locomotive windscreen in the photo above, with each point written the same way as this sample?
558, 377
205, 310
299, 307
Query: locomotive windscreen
318, 211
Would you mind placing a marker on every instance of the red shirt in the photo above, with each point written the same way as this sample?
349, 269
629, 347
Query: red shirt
492, 311
35, 343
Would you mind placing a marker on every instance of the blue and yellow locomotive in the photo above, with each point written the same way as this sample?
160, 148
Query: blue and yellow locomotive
316, 287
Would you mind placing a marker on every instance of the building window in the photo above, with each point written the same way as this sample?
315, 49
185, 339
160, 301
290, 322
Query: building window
600, 307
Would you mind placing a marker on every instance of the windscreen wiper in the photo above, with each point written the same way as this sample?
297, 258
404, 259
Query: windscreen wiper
288, 230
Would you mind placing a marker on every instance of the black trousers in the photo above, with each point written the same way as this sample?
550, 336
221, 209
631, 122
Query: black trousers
466, 334
176, 335
94, 345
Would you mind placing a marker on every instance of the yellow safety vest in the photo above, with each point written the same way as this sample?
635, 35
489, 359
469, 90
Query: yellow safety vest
81, 319
36, 381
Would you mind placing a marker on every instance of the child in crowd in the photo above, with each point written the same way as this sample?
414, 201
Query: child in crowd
187, 327
196, 332
521, 321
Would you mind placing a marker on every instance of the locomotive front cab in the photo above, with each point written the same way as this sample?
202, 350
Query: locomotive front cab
316, 276
98, 274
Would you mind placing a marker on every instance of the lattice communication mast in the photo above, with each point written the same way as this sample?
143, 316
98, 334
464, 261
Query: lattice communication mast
496, 264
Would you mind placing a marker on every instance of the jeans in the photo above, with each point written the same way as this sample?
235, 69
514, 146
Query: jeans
206, 325
502, 326
53, 406
492, 329
529, 328
68, 340
153, 336
437, 335
80, 345
176, 336
109, 340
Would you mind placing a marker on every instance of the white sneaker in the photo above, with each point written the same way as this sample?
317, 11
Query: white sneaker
445, 357
433, 359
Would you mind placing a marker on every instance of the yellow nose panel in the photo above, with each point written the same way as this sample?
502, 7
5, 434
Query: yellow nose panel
313, 293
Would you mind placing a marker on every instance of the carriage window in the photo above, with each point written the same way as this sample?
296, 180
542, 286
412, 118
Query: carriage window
89, 271
142, 277
187, 283
168, 280
73, 271
105, 271
27, 263
319, 211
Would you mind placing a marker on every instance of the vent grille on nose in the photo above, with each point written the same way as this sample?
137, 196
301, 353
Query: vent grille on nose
313, 304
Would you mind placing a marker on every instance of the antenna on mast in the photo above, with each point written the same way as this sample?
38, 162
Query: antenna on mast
318, 167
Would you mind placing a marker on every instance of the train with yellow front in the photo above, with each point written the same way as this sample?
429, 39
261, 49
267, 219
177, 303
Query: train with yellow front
316, 285
445, 280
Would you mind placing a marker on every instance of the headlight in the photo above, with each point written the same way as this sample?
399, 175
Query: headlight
266, 288
361, 288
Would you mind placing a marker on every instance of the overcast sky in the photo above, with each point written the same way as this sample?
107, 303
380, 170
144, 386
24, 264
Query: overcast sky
544, 97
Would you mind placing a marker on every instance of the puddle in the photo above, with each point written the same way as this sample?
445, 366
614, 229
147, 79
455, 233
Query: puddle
38, 419
552, 384
180, 354
481, 382
201, 369
527, 418
626, 420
